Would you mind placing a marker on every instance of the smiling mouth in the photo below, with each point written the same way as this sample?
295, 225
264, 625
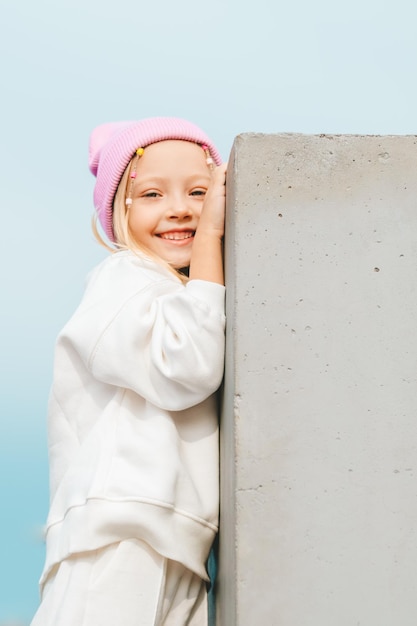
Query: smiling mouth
177, 236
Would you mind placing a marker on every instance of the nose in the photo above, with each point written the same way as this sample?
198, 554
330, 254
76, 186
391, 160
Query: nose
179, 208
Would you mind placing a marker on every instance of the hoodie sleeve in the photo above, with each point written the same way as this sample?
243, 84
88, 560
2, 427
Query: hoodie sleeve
165, 341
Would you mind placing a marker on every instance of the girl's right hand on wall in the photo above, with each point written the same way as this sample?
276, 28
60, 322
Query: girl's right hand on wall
213, 212
207, 253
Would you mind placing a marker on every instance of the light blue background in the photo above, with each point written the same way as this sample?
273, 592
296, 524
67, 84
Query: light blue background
68, 65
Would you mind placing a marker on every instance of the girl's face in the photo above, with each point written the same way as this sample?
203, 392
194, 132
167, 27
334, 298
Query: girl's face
172, 178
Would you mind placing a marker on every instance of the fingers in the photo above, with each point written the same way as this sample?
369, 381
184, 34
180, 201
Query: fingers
212, 216
219, 173
218, 178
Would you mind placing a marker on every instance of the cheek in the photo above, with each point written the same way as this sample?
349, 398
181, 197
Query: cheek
138, 218
198, 209
136, 223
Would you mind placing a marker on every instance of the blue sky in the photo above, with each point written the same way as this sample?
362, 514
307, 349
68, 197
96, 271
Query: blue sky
69, 65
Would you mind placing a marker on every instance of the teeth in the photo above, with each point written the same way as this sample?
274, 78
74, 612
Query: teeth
176, 235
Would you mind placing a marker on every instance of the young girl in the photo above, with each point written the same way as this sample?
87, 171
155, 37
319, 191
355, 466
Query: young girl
133, 436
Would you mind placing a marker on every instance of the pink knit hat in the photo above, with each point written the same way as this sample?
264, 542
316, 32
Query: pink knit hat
113, 145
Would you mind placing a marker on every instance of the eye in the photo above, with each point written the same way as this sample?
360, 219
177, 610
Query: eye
198, 192
151, 194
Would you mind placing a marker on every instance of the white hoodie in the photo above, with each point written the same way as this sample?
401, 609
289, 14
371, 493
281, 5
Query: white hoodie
133, 433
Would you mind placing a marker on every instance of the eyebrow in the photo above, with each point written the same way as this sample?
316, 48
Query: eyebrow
161, 179
196, 175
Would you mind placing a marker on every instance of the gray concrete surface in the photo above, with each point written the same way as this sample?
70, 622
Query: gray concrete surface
319, 425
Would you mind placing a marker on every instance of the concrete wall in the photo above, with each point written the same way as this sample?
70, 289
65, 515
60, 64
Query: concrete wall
319, 426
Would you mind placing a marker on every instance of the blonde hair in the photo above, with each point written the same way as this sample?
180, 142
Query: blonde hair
123, 239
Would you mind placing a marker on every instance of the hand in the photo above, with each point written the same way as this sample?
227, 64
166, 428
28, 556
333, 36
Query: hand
207, 253
213, 212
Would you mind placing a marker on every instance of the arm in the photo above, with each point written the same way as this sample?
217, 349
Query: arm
144, 331
207, 254
167, 347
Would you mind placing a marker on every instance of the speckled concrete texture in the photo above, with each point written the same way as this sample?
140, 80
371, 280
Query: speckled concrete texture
319, 424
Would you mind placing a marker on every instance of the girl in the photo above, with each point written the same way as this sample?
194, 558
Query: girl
133, 438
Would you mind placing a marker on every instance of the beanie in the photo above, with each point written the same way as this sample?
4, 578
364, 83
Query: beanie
113, 145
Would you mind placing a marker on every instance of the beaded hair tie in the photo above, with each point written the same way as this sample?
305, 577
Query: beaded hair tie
134, 164
209, 159
132, 175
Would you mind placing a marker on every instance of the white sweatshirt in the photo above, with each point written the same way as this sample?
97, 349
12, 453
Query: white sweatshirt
133, 432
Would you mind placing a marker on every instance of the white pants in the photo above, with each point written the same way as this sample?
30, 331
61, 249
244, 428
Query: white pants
125, 584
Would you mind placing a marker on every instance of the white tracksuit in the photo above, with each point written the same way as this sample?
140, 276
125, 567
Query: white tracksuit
133, 432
